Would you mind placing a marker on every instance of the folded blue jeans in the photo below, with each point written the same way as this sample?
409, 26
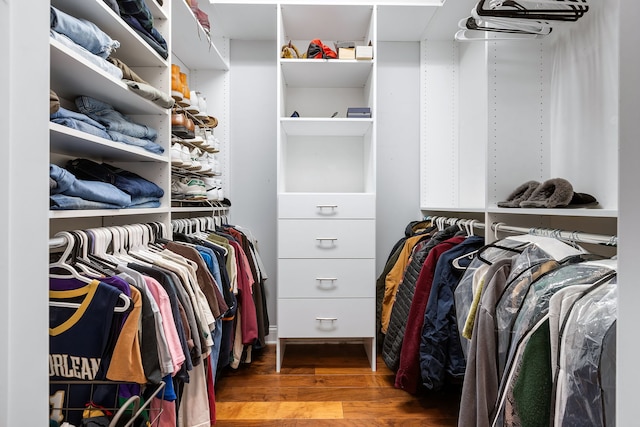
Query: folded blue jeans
137, 9
82, 127
88, 56
83, 32
62, 202
95, 191
129, 182
113, 120
63, 113
138, 142
154, 39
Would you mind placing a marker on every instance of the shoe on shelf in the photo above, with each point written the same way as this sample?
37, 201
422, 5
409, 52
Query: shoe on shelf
205, 166
196, 190
220, 190
194, 107
179, 189
212, 189
176, 154
202, 106
186, 93
195, 162
181, 125
186, 157
176, 84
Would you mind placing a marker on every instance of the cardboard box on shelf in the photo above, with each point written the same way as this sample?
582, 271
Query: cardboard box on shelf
346, 53
364, 52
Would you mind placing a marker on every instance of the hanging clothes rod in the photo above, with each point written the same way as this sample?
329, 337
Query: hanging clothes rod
573, 236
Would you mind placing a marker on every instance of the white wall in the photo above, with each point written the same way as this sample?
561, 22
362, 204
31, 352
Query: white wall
24, 339
398, 139
252, 150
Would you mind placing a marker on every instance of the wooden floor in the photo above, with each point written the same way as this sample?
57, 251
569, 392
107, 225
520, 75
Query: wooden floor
325, 385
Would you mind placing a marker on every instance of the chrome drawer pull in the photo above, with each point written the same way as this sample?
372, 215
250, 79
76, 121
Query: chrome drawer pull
333, 239
327, 319
326, 279
326, 206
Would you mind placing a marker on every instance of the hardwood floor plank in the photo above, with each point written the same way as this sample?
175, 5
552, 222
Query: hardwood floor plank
325, 385
278, 410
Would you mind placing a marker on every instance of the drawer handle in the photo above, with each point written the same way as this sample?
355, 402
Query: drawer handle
327, 319
326, 279
320, 239
326, 206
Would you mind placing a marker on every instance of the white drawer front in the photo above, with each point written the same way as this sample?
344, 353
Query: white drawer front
340, 238
326, 318
327, 206
326, 278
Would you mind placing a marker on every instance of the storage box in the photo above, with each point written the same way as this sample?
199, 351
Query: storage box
364, 52
359, 113
346, 53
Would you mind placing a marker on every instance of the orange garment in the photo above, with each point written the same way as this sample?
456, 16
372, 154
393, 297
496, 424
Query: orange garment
126, 362
393, 280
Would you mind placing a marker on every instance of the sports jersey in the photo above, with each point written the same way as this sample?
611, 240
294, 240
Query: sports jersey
78, 338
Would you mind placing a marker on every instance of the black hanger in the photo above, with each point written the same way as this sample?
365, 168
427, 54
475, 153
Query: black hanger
513, 9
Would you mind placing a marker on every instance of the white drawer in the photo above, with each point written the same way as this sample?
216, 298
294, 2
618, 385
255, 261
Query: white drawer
342, 238
326, 278
355, 206
326, 318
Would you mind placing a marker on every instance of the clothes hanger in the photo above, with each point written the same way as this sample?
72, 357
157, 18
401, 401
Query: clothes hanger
62, 263
513, 9
81, 259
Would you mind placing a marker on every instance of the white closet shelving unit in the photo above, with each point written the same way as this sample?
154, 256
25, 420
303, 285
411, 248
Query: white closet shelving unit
499, 113
72, 76
25, 218
204, 58
326, 181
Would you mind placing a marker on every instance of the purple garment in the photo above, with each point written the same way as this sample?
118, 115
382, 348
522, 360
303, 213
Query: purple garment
72, 283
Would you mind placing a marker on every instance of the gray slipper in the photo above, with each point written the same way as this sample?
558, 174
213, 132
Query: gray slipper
557, 193
520, 194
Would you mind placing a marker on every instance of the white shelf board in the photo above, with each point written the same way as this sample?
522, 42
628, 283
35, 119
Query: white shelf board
584, 212
325, 126
460, 209
404, 22
198, 209
133, 50
328, 22
190, 43
105, 212
444, 24
72, 142
318, 73
71, 76
237, 21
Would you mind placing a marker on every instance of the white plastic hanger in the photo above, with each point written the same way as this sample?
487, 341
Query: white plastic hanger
62, 264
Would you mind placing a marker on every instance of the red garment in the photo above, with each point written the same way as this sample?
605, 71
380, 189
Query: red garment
249, 323
212, 394
165, 410
408, 375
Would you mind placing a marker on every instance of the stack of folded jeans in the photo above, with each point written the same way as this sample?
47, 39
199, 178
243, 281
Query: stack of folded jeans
143, 193
84, 38
79, 122
70, 192
83, 32
118, 126
138, 16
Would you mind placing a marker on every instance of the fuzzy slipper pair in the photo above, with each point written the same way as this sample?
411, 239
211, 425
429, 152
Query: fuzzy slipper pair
553, 193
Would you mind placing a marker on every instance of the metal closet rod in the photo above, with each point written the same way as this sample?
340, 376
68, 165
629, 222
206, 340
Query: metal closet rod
573, 236
58, 241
